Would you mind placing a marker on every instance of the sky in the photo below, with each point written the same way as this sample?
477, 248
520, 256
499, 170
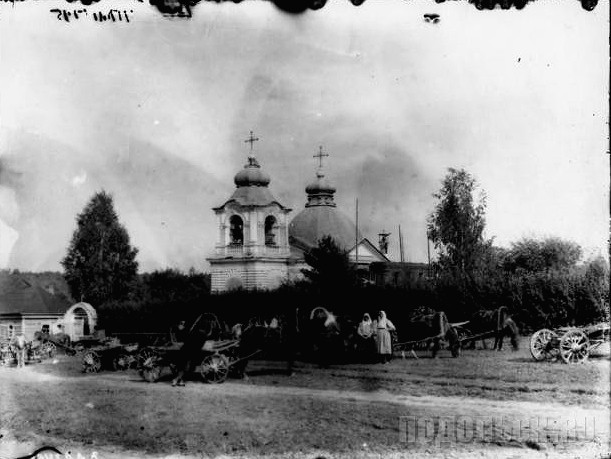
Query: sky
156, 111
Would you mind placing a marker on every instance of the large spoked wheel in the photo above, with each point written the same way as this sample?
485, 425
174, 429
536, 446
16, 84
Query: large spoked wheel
144, 354
151, 372
47, 350
541, 344
215, 368
92, 362
150, 369
574, 347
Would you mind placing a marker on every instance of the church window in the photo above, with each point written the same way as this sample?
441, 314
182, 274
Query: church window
270, 230
236, 230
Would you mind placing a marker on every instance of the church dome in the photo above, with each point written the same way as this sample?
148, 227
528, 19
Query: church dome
321, 218
315, 222
320, 186
251, 175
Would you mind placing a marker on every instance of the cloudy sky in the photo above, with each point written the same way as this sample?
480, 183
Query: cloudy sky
155, 112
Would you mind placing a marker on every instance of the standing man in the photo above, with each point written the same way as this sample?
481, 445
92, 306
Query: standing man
19, 343
204, 328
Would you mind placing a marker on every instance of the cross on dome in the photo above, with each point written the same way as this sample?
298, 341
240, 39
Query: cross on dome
320, 156
251, 140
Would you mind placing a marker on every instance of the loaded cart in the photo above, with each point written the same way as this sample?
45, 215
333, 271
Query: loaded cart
217, 358
571, 344
111, 355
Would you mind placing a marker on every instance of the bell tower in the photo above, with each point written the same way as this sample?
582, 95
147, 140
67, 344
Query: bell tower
252, 247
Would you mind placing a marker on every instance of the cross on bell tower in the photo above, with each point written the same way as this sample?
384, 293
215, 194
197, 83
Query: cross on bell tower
320, 156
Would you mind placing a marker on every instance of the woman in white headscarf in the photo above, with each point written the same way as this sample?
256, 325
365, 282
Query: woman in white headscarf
383, 327
365, 329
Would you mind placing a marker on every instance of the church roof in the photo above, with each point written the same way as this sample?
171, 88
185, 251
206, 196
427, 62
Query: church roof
252, 187
315, 222
252, 196
19, 295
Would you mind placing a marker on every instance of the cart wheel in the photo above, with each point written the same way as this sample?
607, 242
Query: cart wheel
122, 362
574, 347
214, 368
541, 344
92, 363
151, 371
144, 354
47, 350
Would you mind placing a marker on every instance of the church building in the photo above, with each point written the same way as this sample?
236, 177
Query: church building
258, 245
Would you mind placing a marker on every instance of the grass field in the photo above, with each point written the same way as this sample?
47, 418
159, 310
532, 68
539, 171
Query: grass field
351, 410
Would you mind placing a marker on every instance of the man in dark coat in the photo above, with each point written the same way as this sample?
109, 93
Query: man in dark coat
204, 328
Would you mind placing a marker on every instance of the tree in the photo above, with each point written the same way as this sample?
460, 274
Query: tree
456, 226
100, 264
330, 267
533, 255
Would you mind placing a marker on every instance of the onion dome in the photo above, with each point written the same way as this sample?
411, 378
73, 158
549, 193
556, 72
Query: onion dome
251, 175
320, 192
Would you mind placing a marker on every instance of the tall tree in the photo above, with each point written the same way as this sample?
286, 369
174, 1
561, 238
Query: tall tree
100, 264
330, 267
456, 226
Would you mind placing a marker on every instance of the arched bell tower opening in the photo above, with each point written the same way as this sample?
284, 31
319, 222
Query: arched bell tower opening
236, 230
271, 226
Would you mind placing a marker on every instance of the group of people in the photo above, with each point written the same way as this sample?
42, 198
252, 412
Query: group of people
377, 330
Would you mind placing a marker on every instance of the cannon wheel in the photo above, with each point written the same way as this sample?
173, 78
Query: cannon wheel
47, 350
574, 347
122, 362
92, 362
540, 344
150, 369
215, 368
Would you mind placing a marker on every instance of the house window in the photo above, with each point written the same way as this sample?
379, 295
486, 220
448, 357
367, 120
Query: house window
270, 230
45, 329
236, 230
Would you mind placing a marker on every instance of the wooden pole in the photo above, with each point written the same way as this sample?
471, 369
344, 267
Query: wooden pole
401, 245
356, 235
428, 251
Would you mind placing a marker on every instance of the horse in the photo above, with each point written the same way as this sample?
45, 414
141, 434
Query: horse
325, 335
499, 321
274, 338
433, 327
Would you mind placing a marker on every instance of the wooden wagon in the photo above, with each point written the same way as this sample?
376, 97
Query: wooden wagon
571, 344
217, 358
113, 355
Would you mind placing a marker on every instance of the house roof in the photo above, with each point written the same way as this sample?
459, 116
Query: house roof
369, 254
19, 295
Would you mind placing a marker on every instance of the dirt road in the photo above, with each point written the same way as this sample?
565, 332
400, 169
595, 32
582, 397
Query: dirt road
433, 408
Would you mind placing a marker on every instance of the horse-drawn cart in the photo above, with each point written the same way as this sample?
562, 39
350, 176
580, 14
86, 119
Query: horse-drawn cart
571, 344
217, 358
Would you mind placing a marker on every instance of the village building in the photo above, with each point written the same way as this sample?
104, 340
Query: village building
26, 307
